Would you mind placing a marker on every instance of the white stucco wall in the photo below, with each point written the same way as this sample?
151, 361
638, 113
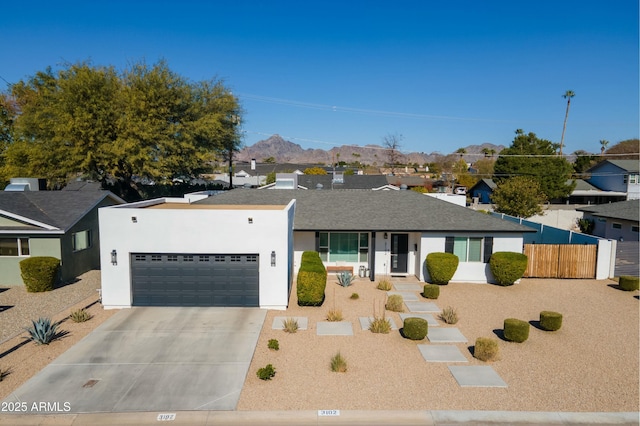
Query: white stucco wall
196, 230
469, 272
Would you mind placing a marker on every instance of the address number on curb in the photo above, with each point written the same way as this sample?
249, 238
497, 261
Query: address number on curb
166, 417
325, 413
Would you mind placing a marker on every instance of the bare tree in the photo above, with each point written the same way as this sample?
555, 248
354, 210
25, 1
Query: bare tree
392, 145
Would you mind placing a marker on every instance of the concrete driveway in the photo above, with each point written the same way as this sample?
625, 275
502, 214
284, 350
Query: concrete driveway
151, 359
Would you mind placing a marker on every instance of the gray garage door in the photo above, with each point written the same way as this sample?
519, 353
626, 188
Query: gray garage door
171, 279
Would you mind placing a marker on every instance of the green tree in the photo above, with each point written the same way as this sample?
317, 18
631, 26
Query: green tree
519, 196
603, 145
146, 122
269, 160
567, 95
532, 157
584, 161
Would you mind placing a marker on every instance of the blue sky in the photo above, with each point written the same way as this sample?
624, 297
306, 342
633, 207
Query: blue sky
443, 74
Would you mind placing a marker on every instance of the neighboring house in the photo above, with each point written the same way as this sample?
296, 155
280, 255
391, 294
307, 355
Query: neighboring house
241, 247
62, 224
482, 190
583, 193
586, 193
617, 176
409, 181
617, 221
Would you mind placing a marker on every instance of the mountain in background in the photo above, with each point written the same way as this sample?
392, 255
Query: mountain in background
284, 151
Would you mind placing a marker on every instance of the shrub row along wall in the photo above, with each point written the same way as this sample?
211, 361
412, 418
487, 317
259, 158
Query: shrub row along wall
312, 280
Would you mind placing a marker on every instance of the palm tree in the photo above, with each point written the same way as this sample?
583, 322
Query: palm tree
567, 95
603, 146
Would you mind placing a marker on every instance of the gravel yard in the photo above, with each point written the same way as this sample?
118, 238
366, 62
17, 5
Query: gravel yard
17, 307
590, 364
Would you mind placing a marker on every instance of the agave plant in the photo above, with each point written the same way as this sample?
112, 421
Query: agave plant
43, 331
345, 278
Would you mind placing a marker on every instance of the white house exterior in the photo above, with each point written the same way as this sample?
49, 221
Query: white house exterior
242, 247
168, 229
388, 232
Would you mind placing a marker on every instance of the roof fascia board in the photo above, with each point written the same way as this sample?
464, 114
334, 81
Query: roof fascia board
27, 220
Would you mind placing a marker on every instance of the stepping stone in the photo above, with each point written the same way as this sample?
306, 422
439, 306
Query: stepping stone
303, 322
446, 335
430, 319
476, 376
441, 353
364, 322
334, 328
406, 296
422, 307
408, 287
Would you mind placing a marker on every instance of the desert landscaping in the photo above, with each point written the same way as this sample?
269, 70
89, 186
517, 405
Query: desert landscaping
590, 364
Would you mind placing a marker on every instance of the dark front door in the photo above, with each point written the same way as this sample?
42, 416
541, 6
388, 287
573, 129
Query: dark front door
399, 252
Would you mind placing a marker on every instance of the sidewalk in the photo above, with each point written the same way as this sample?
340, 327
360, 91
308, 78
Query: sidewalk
327, 417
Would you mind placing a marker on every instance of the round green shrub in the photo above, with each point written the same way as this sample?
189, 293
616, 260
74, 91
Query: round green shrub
486, 349
431, 291
629, 283
550, 321
441, 267
415, 328
39, 273
516, 330
507, 267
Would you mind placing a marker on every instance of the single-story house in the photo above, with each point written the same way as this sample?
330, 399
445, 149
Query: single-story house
62, 224
242, 247
616, 221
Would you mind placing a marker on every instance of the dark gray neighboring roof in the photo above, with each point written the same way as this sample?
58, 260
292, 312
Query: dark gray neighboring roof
407, 180
624, 210
350, 181
59, 209
363, 210
489, 182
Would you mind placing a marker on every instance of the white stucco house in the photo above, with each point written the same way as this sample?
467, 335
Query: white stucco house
242, 247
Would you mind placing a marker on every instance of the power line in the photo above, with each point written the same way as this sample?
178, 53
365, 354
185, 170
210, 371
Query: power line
335, 108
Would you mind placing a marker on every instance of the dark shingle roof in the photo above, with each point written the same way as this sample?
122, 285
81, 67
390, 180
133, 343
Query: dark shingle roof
59, 209
364, 210
624, 210
349, 181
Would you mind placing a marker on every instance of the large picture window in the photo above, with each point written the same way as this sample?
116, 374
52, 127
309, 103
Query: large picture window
470, 249
343, 246
14, 247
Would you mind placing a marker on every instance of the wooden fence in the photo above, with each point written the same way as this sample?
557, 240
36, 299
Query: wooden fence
561, 260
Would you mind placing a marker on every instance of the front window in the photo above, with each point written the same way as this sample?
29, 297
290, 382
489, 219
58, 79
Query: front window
470, 249
343, 246
14, 247
616, 225
81, 240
